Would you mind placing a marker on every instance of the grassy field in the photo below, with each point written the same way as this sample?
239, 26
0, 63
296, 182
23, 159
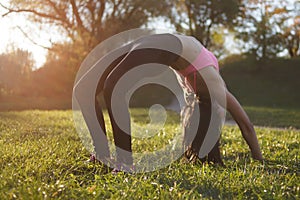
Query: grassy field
42, 157
273, 117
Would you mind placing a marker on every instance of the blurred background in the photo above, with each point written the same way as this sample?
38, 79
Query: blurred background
43, 43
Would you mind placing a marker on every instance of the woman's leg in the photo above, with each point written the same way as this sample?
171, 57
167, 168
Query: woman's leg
205, 107
89, 85
145, 50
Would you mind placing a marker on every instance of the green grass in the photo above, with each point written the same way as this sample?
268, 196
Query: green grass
18, 103
41, 156
272, 117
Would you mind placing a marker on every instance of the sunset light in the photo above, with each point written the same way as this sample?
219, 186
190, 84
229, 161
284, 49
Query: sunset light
149, 99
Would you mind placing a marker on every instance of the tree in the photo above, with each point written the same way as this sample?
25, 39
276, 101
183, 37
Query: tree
291, 37
204, 18
15, 70
56, 77
262, 27
83, 24
88, 22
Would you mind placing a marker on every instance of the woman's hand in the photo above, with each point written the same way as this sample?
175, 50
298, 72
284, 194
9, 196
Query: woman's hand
257, 155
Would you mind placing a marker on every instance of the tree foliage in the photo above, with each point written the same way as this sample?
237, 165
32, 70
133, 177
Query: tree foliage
291, 37
83, 24
200, 18
265, 28
15, 70
89, 21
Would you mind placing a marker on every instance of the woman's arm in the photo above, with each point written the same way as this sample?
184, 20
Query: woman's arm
245, 125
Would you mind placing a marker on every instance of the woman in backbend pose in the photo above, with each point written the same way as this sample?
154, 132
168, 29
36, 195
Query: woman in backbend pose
191, 60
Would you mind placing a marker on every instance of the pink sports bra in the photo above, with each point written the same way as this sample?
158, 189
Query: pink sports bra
204, 59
